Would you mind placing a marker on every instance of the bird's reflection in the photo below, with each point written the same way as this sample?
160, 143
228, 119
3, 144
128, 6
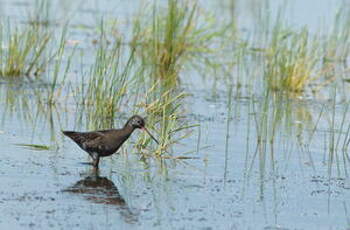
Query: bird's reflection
102, 191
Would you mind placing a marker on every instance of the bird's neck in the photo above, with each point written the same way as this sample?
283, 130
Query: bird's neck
128, 129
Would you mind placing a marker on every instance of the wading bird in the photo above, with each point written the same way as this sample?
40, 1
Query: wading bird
104, 143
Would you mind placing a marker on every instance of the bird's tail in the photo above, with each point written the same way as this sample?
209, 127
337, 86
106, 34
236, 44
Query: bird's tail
75, 136
69, 133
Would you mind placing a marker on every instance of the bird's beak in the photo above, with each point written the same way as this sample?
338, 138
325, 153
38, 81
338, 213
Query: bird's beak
146, 130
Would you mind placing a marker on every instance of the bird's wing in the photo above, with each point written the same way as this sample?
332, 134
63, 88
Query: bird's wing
89, 141
94, 142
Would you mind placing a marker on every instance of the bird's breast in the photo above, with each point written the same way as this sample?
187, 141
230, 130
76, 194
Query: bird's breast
112, 145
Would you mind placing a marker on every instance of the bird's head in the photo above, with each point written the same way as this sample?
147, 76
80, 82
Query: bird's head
137, 122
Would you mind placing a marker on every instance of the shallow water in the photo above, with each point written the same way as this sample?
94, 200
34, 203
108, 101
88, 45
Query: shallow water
235, 182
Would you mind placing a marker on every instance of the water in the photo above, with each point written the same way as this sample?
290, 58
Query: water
235, 182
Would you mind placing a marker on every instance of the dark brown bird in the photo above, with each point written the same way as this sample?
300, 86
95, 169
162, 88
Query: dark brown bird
104, 143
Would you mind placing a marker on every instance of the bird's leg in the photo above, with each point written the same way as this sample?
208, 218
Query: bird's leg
95, 159
95, 162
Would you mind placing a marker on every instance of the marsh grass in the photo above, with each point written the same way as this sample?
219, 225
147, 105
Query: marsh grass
107, 83
23, 50
295, 58
280, 123
173, 37
292, 59
337, 141
165, 113
60, 67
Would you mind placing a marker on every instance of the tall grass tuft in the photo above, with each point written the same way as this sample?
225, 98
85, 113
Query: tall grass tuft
22, 50
165, 113
173, 37
291, 60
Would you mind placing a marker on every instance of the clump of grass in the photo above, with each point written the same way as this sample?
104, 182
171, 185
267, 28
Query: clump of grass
291, 60
174, 36
165, 112
22, 51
